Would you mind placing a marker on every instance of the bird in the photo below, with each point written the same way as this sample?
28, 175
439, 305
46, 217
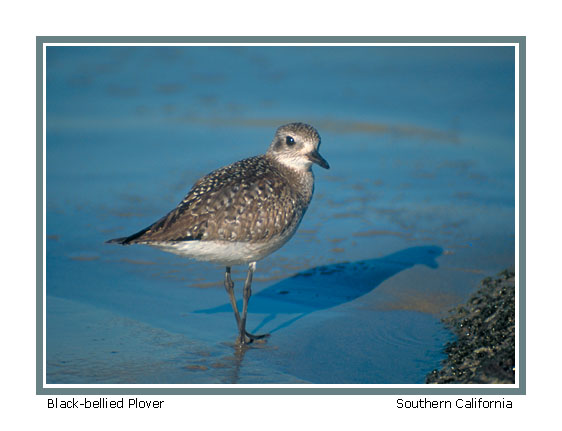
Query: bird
243, 212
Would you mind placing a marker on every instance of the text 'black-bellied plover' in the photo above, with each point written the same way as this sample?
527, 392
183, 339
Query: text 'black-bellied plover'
243, 212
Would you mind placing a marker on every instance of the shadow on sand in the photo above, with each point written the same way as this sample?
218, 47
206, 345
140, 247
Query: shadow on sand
331, 285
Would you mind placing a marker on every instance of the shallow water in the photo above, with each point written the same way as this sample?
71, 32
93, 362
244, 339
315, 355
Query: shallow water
417, 208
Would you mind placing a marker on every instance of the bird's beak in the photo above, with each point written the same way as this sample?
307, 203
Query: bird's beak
315, 157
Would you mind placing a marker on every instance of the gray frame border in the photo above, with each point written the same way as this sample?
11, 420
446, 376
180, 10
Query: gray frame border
318, 390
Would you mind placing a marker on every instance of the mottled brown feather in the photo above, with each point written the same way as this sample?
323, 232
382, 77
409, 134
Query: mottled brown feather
251, 200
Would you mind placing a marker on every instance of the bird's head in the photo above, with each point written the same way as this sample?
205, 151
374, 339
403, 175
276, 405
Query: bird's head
295, 145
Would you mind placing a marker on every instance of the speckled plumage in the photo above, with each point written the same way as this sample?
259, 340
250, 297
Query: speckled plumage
251, 200
257, 203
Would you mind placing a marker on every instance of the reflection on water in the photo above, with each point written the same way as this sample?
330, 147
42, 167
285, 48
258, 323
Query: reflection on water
420, 140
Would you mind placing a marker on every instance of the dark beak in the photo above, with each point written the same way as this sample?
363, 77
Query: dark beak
315, 157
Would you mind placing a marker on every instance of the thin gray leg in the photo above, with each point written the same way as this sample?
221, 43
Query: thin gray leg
229, 286
244, 336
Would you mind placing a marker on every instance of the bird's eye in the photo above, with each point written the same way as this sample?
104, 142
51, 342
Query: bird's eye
290, 141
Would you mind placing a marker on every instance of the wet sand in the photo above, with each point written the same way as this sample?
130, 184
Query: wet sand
417, 208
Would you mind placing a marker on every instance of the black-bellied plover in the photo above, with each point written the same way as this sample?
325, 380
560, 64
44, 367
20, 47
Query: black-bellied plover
243, 212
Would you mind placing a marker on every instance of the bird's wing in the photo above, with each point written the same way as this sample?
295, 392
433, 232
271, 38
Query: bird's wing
245, 201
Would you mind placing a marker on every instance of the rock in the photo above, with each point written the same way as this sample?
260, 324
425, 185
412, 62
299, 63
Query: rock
484, 351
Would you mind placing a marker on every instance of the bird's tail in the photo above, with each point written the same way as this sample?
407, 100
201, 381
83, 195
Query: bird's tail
122, 240
128, 239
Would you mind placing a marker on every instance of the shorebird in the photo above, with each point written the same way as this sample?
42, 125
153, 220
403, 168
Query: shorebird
243, 212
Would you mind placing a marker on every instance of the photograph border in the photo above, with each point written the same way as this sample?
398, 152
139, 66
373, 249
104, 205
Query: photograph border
422, 389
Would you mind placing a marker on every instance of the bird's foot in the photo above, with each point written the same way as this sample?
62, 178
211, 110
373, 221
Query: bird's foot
256, 336
250, 338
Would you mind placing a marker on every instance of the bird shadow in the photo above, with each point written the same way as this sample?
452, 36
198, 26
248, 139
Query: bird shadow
331, 285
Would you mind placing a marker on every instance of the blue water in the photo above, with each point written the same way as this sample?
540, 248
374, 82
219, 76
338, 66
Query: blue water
417, 208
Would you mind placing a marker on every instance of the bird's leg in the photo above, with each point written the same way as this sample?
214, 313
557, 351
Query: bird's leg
246, 297
229, 286
245, 336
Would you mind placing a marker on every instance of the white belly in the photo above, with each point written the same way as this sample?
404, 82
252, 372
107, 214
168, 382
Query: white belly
223, 252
